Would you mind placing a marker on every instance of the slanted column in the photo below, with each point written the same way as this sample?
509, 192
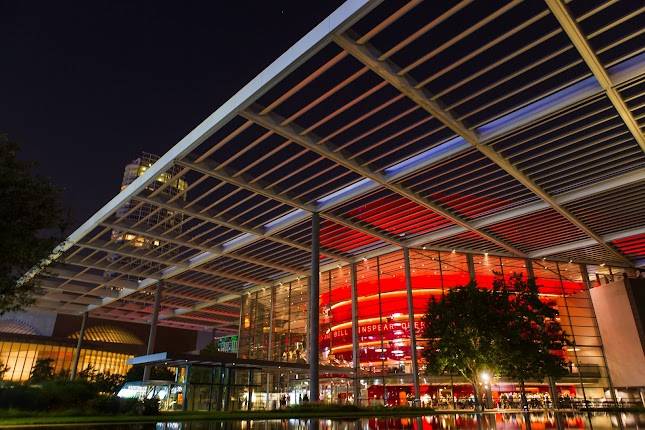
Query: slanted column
356, 355
152, 337
314, 305
413, 334
77, 351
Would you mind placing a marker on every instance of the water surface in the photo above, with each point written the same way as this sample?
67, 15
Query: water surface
489, 421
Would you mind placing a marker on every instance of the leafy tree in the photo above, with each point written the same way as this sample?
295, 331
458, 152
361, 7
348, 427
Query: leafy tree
88, 374
42, 370
534, 337
109, 382
103, 382
463, 333
33, 222
3, 369
507, 330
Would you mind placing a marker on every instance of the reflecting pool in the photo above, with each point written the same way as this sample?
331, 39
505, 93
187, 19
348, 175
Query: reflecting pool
488, 421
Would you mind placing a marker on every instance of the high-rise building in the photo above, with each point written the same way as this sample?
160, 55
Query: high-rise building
141, 213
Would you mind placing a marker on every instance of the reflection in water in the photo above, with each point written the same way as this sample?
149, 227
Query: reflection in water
492, 421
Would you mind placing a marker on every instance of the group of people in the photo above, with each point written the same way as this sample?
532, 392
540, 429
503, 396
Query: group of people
285, 399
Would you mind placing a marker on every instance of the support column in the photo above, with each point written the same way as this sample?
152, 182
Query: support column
413, 334
152, 337
356, 354
269, 354
77, 351
471, 267
239, 328
186, 387
249, 400
314, 311
529, 269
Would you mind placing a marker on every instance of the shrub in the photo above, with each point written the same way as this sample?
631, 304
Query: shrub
66, 394
78, 396
151, 406
113, 405
23, 397
43, 370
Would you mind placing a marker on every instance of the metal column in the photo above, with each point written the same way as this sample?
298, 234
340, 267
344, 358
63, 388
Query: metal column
269, 354
356, 356
471, 267
77, 351
529, 269
314, 317
249, 399
152, 337
413, 334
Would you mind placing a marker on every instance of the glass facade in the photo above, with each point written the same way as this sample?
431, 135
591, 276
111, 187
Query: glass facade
384, 326
20, 357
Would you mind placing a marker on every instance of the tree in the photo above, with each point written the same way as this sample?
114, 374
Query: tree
463, 333
507, 330
42, 370
33, 222
108, 382
534, 338
3, 369
103, 382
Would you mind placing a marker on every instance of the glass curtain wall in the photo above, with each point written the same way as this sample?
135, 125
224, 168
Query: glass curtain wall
383, 332
274, 327
20, 357
565, 283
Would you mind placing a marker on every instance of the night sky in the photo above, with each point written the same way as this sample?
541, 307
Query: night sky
86, 86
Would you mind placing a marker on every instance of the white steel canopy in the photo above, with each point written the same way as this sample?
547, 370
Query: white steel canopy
511, 128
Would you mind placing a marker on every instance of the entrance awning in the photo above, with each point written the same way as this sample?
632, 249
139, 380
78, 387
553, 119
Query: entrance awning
512, 129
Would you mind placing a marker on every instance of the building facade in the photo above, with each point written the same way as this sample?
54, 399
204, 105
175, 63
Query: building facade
380, 343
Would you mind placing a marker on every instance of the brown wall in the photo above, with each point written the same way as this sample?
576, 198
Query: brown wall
168, 339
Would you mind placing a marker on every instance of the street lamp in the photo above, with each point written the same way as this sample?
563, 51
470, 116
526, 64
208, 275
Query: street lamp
485, 377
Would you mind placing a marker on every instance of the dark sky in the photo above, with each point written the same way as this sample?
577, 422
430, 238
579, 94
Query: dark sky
87, 85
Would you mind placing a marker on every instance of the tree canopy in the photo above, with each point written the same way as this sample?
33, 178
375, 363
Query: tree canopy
535, 341
507, 330
33, 220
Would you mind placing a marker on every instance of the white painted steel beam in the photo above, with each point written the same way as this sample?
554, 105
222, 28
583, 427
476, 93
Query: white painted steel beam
210, 168
164, 237
273, 122
389, 72
563, 198
579, 244
342, 18
571, 28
